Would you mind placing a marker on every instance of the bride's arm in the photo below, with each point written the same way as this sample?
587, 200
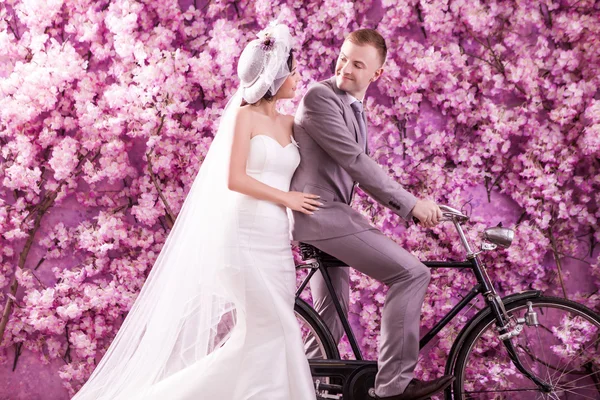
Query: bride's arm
241, 182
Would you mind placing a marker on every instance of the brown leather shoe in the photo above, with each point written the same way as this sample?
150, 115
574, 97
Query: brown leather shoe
422, 390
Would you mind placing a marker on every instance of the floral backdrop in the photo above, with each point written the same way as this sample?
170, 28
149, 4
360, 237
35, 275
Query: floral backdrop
107, 109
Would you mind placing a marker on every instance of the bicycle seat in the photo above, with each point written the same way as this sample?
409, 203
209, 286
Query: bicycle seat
308, 251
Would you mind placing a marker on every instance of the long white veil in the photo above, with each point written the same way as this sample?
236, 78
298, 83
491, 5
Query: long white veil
185, 305
192, 296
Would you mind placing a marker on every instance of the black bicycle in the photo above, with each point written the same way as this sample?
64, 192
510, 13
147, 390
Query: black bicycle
522, 346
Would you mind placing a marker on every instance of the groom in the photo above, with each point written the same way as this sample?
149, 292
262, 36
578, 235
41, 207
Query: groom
331, 130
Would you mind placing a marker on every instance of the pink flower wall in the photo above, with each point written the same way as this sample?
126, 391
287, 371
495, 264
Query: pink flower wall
107, 109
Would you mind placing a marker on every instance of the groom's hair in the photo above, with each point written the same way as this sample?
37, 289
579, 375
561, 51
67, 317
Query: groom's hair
372, 37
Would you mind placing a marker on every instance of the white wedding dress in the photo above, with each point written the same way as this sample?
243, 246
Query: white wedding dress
264, 357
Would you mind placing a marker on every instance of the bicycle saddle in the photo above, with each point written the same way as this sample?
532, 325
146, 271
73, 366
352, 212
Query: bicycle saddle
308, 251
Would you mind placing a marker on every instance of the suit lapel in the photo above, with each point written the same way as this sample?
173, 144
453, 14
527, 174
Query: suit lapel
348, 109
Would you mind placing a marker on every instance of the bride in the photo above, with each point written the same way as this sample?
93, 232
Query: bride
214, 319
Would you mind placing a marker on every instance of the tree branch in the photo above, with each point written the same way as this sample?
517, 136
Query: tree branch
169, 216
556, 254
40, 209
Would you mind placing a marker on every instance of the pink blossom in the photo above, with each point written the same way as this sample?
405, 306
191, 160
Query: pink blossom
64, 158
483, 105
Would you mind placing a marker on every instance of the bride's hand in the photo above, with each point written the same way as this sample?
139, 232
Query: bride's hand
303, 202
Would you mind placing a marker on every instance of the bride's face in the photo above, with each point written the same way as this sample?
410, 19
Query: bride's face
288, 89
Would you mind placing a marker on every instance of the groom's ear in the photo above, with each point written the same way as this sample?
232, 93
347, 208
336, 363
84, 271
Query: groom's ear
377, 74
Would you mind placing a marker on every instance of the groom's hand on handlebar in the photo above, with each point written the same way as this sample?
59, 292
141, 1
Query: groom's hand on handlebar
427, 212
303, 202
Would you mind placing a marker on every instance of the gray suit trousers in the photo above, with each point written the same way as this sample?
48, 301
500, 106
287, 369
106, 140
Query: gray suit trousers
379, 257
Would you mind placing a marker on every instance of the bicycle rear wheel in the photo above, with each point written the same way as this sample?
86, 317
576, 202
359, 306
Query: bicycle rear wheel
562, 349
314, 331
312, 327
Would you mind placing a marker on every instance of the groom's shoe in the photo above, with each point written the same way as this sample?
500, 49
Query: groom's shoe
420, 390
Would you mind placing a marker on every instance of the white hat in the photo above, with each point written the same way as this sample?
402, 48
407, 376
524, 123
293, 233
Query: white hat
263, 65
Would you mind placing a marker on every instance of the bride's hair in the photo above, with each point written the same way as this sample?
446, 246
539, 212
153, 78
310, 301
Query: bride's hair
269, 96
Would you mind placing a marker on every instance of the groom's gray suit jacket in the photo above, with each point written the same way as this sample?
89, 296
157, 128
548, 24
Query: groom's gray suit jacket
332, 162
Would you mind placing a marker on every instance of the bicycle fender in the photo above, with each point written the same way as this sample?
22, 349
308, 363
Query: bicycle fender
482, 314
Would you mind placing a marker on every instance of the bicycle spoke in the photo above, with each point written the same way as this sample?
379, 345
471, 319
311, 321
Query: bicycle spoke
559, 350
579, 395
537, 331
532, 357
503, 391
526, 390
578, 354
548, 366
553, 395
585, 376
578, 387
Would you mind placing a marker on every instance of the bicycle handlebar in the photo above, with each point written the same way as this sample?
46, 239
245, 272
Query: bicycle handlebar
449, 214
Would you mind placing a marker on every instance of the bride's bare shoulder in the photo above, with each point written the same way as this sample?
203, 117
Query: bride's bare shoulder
245, 109
245, 113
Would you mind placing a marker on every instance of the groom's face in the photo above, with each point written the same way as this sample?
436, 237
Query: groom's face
357, 66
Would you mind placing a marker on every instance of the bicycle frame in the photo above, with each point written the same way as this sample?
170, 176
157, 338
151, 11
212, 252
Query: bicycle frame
476, 290
483, 287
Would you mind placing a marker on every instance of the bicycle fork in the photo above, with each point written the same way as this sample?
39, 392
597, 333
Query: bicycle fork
503, 320
506, 332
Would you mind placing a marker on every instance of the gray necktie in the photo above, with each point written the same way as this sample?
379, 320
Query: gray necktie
357, 107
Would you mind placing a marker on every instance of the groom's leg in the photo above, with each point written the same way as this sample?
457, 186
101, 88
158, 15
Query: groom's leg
323, 304
376, 255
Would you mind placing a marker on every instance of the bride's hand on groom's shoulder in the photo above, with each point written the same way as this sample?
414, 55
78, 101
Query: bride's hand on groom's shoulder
303, 202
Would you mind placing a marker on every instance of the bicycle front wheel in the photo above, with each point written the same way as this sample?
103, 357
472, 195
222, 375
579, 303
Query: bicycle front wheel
559, 344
